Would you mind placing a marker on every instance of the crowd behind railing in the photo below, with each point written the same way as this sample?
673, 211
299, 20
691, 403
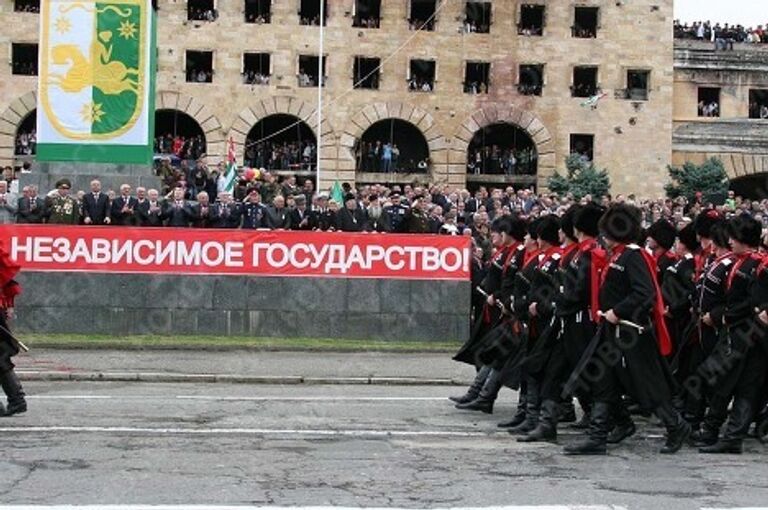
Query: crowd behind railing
281, 203
722, 35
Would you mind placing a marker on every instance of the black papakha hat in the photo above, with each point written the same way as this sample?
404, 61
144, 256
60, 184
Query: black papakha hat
587, 219
567, 221
705, 221
663, 233
549, 229
621, 223
687, 236
745, 229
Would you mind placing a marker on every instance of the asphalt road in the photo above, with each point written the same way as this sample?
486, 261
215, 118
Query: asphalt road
352, 446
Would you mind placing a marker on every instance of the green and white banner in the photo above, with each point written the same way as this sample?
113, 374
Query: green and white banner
96, 87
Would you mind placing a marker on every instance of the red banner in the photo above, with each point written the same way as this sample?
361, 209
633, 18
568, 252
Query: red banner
208, 251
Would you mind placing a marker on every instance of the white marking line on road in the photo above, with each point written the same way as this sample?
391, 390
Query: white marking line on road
238, 398
246, 431
213, 507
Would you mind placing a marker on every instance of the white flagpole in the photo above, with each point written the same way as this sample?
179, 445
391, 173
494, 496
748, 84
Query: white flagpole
320, 81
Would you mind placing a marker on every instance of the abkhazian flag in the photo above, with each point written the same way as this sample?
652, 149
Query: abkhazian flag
96, 85
231, 173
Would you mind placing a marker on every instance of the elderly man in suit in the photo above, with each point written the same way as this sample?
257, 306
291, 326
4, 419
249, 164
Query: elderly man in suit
278, 216
8, 204
31, 208
96, 206
177, 211
123, 210
149, 212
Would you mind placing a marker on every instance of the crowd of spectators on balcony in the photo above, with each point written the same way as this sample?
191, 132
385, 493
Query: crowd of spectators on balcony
298, 155
723, 35
709, 109
26, 143
255, 78
495, 160
199, 75
191, 147
419, 83
199, 14
369, 22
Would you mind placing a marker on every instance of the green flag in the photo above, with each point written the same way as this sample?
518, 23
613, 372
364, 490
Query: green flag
337, 193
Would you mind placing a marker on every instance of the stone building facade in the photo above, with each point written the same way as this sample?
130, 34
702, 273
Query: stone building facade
631, 134
737, 81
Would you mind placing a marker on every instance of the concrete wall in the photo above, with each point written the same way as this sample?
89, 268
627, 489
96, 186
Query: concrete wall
115, 304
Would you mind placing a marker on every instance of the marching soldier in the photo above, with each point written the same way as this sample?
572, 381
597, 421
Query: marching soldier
661, 239
627, 352
9, 381
740, 356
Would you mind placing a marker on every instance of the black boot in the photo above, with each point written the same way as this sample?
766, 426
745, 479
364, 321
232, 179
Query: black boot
519, 416
532, 406
566, 411
711, 424
486, 398
14, 391
678, 430
736, 429
624, 426
546, 430
474, 389
599, 425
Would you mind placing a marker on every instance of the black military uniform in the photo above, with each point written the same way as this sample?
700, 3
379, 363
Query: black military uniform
661, 240
710, 300
490, 347
630, 359
740, 354
9, 381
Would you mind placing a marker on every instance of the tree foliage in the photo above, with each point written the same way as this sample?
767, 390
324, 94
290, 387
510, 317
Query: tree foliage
581, 178
708, 178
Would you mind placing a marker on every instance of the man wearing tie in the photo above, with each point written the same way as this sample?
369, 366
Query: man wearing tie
300, 217
124, 208
31, 208
96, 206
227, 212
177, 211
149, 212
8, 204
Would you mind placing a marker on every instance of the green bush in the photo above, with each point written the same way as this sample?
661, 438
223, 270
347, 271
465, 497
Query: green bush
709, 179
581, 178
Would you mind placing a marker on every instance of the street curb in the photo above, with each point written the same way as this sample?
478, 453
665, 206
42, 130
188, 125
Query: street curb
164, 377
84, 346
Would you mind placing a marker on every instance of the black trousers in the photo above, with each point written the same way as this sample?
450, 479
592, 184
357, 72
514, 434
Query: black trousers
7, 347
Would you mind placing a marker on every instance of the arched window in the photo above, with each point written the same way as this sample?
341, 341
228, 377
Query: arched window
281, 142
392, 145
26, 136
502, 149
179, 134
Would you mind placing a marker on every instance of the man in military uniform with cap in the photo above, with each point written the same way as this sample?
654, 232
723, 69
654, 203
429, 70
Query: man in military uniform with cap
62, 208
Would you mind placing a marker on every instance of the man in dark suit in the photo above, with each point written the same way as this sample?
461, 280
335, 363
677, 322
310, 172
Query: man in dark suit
351, 218
254, 212
203, 215
123, 209
278, 216
227, 212
149, 212
177, 212
301, 219
96, 206
31, 208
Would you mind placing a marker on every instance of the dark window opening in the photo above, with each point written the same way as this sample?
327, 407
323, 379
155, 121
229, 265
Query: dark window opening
26, 136
367, 14
586, 22
584, 81
477, 17
531, 79
477, 78
27, 6
422, 76
309, 13
758, 104
531, 20
256, 68
638, 85
201, 10
502, 149
392, 145
709, 102
366, 73
583, 146
308, 71
24, 59
199, 66
281, 142
258, 11
179, 134
422, 15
